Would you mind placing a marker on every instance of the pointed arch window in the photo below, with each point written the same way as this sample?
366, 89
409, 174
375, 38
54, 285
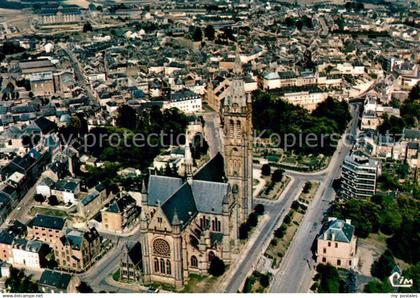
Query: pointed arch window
162, 266
168, 267
194, 262
231, 128
238, 129
156, 261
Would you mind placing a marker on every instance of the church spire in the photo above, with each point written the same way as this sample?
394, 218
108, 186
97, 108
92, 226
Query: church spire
237, 67
188, 161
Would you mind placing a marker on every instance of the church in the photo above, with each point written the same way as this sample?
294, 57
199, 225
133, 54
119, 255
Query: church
186, 222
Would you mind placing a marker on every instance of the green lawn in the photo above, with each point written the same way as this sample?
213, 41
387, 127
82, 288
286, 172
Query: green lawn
48, 211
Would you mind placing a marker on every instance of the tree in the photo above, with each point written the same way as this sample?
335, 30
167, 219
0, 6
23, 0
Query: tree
265, 280
197, 34
18, 282
330, 280
391, 220
127, 117
307, 187
217, 267
259, 209
243, 231
39, 198
209, 32
382, 268
277, 175
279, 233
377, 286
405, 242
87, 27
266, 170
252, 220
84, 288
53, 201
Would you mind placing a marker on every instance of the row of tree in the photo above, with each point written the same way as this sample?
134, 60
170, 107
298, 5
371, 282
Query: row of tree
276, 117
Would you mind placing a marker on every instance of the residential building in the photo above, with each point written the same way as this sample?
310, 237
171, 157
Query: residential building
53, 281
77, 249
29, 253
46, 228
337, 244
66, 190
359, 176
186, 100
121, 214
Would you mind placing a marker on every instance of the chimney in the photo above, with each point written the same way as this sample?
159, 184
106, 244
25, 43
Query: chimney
348, 221
333, 237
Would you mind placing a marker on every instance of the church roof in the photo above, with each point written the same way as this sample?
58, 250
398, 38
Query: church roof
209, 196
213, 170
181, 201
181, 204
161, 188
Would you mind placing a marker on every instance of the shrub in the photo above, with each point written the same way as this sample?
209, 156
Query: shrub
287, 219
274, 242
280, 255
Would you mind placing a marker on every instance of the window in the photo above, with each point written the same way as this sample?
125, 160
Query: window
194, 261
161, 247
168, 267
336, 245
329, 244
338, 262
159, 219
324, 250
350, 263
324, 260
162, 266
156, 265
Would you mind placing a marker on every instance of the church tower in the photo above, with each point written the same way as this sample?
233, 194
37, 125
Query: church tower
238, 139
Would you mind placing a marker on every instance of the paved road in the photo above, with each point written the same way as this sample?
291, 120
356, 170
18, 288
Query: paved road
275, 212
20, 212
79, 73
295, 272
212, 132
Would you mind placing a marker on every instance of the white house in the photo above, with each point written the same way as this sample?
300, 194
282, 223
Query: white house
186, 100
66, 190
29, 253
44, 187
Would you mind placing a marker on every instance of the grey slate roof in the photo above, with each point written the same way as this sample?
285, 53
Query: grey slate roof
48, 221
342, 230
182, 204
55, 279
209, 196
160, 188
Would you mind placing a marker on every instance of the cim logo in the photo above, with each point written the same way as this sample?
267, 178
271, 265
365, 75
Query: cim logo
399, 281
